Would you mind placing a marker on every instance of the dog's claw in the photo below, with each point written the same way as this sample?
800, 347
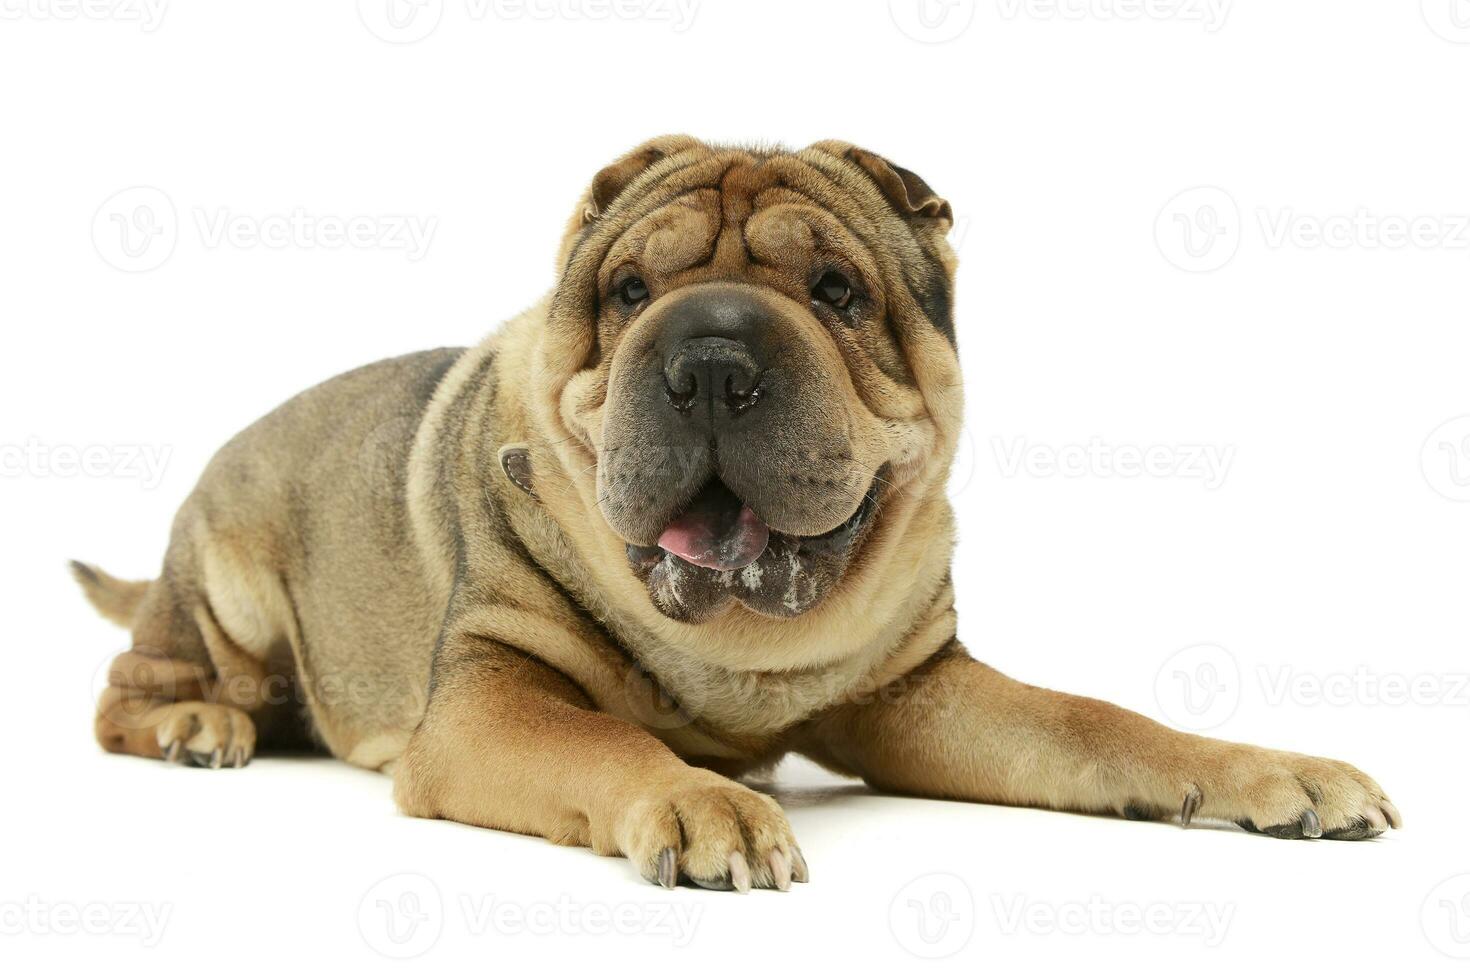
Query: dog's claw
1311, 824
739, 872
781, 870
1192, 801
1392, 813
216, 758
798, 867
668, 867
171, 752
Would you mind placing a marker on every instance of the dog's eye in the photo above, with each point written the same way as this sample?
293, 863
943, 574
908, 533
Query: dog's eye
834, 290
633, 291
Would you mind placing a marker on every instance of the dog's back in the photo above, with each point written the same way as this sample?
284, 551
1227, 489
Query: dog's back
288, 582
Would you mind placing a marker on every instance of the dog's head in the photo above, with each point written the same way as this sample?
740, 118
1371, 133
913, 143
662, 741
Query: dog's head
750, 367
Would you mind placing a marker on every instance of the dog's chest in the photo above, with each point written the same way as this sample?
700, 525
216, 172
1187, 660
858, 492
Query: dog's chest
742, 706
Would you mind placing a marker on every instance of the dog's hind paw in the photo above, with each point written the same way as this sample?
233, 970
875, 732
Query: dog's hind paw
210, 736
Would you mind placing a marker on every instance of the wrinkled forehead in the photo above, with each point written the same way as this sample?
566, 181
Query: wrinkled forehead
738, 214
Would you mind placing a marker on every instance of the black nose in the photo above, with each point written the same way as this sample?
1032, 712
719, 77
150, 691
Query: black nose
713, 351
712, 368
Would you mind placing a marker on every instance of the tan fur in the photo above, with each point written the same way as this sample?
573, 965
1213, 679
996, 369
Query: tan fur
357, 566
113, 597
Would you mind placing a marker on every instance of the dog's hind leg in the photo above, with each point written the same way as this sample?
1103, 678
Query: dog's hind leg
186, 690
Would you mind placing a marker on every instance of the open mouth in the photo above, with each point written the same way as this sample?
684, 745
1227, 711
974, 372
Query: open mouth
719, 531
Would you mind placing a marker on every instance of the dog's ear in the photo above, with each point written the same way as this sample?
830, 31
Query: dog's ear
611, 181
614, 178
909, 193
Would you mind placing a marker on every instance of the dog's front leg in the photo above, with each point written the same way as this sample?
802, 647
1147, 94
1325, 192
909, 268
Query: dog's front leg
957, 729
509, 743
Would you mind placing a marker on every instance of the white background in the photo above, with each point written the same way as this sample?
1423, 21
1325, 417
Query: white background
1317, 585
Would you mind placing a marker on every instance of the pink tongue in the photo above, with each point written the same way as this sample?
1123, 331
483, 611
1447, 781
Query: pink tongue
702, 538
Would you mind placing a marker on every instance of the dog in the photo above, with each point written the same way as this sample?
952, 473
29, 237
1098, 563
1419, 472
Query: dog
681, 518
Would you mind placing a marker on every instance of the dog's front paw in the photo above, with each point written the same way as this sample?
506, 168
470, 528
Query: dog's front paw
1288, 795
714, 833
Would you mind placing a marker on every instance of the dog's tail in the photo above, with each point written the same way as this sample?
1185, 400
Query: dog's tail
114, 598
